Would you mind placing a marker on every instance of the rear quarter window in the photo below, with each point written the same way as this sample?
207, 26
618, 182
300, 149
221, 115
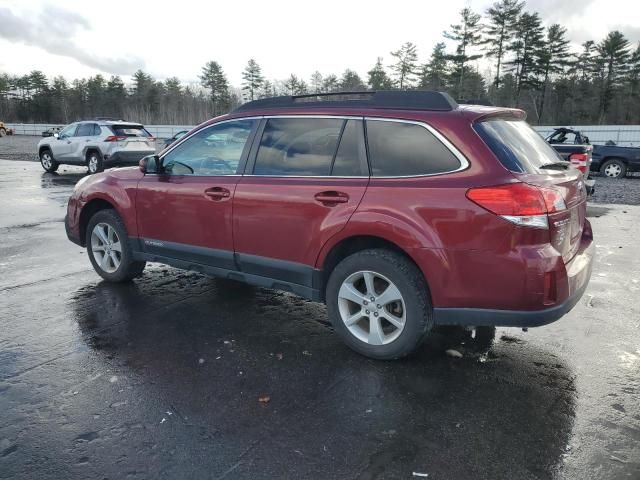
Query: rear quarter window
399, 148
518, 146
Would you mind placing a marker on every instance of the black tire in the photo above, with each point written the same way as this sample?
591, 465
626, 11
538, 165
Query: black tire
616, 166
410, 282
47, 161
94, 162
128, 268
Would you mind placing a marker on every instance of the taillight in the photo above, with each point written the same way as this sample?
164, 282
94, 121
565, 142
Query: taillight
580, 161
114, 138
519, 203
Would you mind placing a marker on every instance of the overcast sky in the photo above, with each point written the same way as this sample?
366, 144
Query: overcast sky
79, 38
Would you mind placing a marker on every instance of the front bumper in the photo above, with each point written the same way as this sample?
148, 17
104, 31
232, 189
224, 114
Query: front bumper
578, 273
71, 235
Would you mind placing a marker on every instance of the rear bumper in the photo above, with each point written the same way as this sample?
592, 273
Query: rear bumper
578, 273
126, 158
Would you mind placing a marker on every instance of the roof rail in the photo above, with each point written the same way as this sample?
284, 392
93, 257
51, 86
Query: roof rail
392, 99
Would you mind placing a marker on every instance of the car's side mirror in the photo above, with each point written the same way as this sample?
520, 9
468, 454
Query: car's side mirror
56, 136
149, 164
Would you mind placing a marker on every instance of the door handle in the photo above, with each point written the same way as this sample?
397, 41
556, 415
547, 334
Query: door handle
217, 193
331, 198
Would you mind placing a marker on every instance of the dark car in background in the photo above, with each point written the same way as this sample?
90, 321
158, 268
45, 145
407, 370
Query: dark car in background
610, 159
176, 137
614, 160
574, 147
50, 132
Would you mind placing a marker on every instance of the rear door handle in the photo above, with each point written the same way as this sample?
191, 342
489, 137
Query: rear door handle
331, 198
217, 193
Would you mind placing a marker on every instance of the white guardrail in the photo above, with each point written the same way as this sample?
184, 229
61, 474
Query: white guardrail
159, 131
624, 135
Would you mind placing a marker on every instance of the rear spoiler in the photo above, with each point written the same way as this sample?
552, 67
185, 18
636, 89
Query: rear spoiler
502, 113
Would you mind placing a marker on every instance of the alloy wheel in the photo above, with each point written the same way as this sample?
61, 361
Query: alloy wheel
372, 307
613, 170
93, 164
106, 247
46, 160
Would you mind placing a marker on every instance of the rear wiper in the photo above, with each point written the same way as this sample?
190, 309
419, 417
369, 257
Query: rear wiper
555, 166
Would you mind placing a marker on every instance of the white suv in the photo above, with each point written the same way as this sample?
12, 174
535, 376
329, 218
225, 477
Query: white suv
98, 144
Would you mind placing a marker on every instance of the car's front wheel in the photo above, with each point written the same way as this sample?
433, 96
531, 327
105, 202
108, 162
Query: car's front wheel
47, 161
379, 303
109, 249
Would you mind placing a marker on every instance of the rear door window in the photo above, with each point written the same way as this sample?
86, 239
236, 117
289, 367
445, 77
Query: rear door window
398, 149
518, 146
350, 159
298, 146
84, 130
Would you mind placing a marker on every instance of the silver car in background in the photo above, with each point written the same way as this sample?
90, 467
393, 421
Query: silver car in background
98, 144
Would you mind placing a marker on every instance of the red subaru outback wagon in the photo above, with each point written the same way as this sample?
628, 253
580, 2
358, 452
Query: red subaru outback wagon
400, 210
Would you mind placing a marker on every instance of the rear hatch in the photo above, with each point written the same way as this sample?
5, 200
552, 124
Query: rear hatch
534, 162
133, 137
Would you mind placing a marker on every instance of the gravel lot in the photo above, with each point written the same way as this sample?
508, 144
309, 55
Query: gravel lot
623, 191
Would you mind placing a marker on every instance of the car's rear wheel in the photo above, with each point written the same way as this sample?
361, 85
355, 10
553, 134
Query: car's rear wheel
47, 161
614, 168
379, 304
94, 162
109, 248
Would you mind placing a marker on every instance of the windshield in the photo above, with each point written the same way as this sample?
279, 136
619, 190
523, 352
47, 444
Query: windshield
518, 147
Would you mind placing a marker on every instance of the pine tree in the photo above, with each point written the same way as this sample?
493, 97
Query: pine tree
434, 73
268, 90
214, 79
527, 46
351, 81
405, 67
291, 85
316, 82
553, 58
253, 79
466, 35
503, 16
378, 78
330, 83
613, 55
633, 79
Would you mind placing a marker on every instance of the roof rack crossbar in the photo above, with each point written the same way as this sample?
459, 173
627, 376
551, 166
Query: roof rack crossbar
391, 99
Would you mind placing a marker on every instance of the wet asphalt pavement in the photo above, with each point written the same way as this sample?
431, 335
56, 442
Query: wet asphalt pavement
162, 378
